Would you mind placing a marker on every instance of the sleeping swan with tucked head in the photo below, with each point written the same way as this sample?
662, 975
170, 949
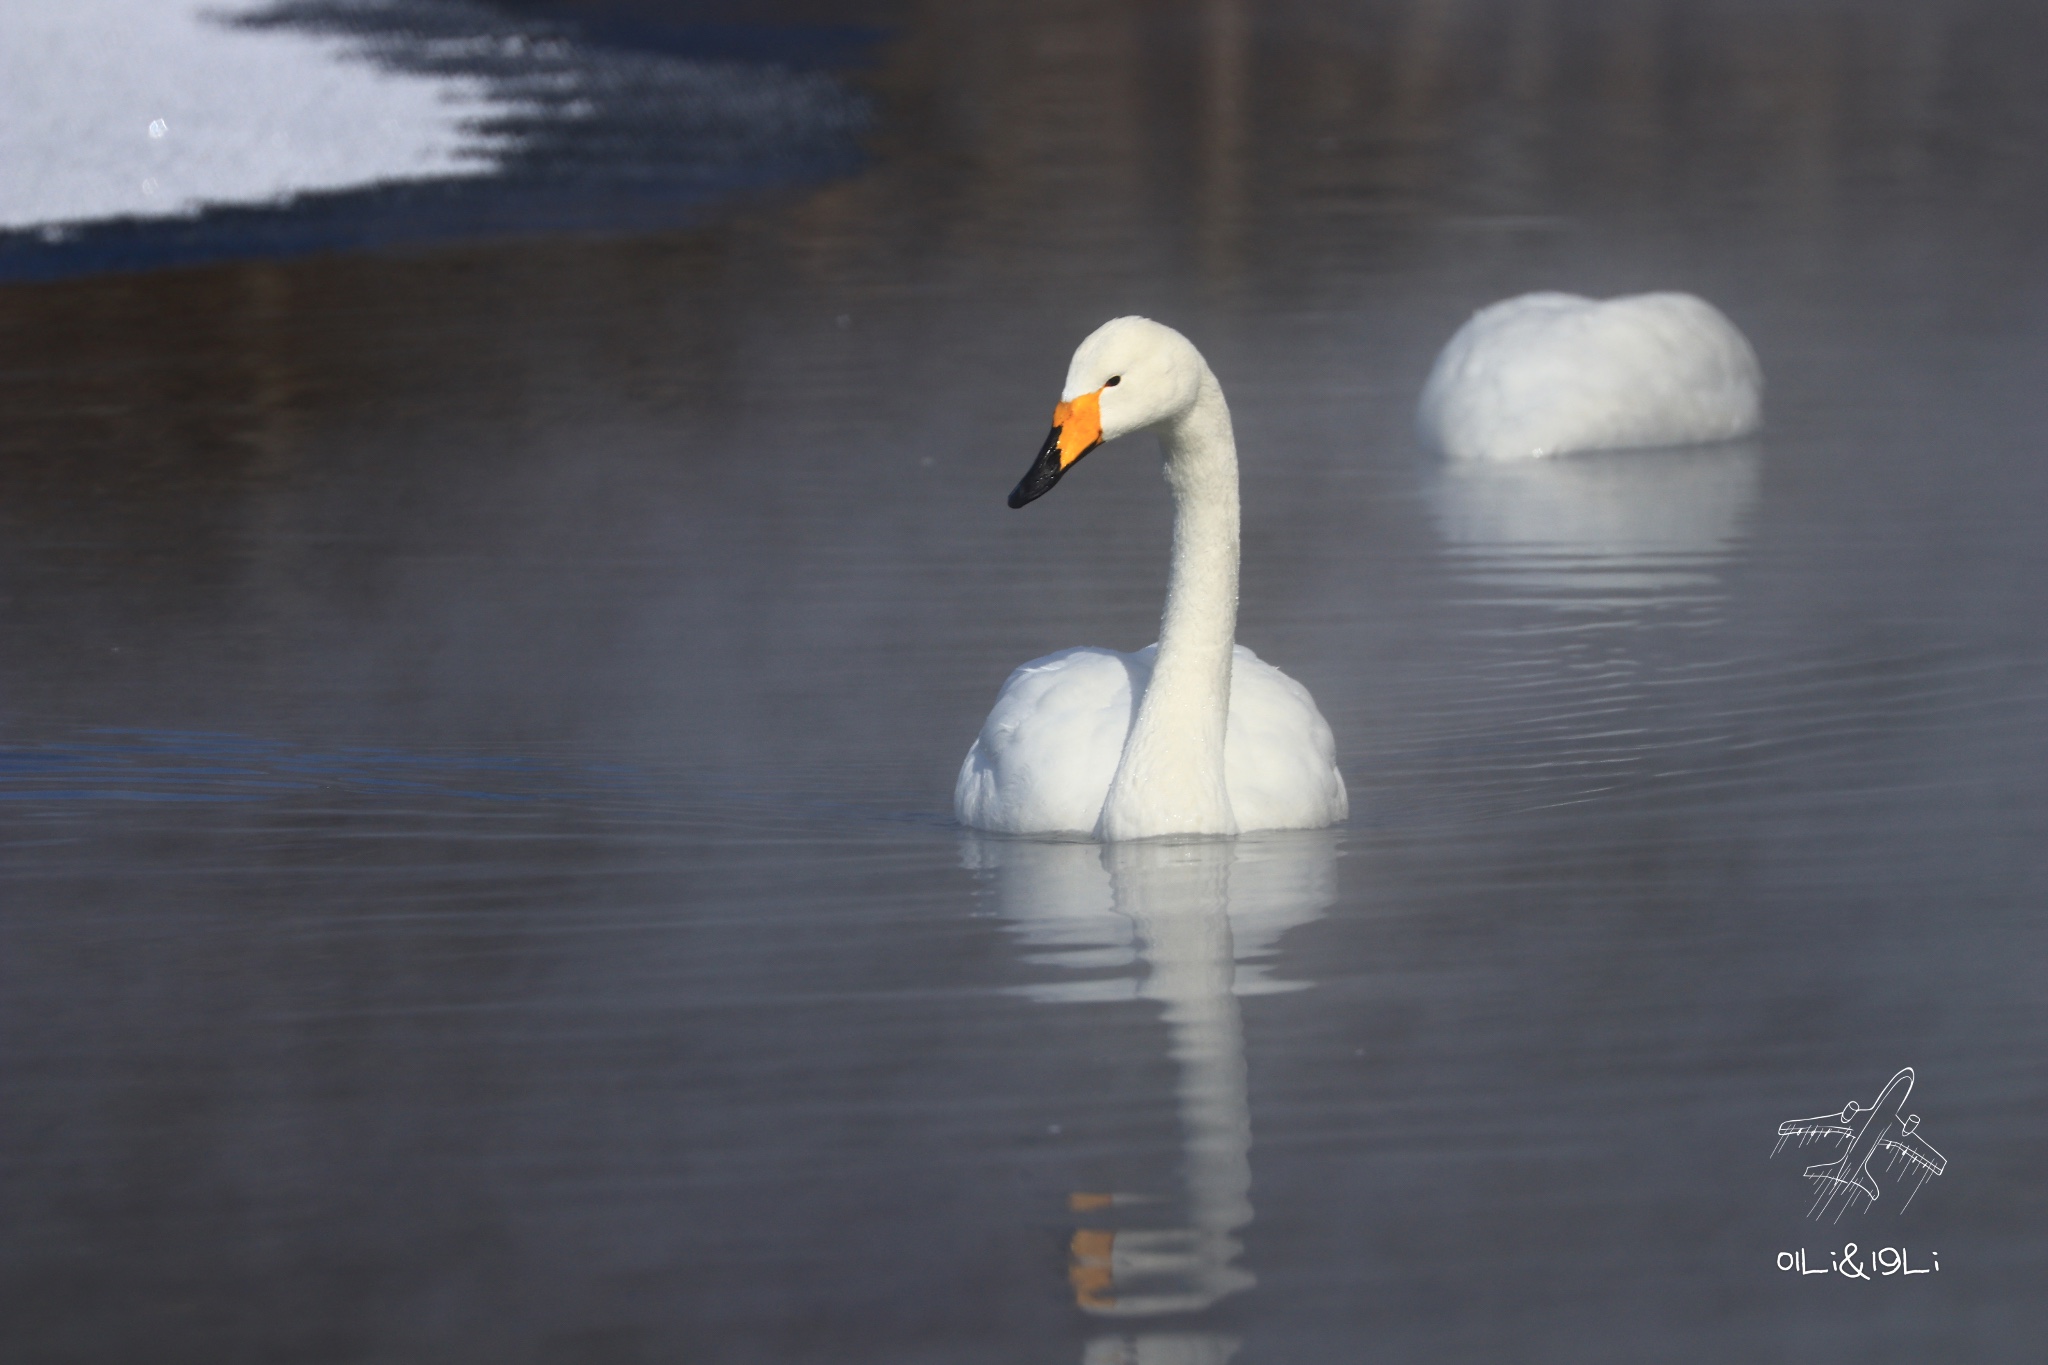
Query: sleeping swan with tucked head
1546, 374
1194, 735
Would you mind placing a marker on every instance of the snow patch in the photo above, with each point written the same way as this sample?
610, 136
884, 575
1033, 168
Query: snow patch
160, 108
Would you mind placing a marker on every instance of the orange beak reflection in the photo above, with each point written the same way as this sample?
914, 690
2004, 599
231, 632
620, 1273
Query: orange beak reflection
1091, 1268
1076, 430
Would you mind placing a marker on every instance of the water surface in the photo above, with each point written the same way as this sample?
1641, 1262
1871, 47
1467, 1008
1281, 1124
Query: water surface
477, 729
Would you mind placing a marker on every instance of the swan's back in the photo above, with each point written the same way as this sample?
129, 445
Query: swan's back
1542, 374
1049, 749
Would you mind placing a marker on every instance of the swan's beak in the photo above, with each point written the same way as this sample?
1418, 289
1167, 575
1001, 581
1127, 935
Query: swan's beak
1076, 430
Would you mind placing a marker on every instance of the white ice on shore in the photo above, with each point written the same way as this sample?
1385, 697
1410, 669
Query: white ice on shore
1542, 374
153, 108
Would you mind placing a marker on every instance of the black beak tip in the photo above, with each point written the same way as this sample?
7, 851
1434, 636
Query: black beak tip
1045, 471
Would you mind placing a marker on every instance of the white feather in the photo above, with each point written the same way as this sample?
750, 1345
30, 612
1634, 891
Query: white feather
1048, 751
1543, 374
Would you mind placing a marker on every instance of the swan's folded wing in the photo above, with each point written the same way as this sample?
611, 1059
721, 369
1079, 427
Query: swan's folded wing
1279, 760
1048, 750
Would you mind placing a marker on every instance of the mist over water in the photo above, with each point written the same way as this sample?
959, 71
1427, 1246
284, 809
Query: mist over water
477, 728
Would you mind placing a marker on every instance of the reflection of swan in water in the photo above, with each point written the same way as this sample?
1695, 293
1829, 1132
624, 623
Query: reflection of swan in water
1161, 1348
1598, 522
1190, 912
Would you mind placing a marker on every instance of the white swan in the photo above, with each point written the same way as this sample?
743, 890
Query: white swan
1218, 741
1547, 373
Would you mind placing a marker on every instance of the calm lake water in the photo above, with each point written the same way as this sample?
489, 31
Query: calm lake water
477, 728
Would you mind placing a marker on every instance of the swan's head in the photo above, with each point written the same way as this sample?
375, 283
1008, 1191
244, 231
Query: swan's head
1131, 373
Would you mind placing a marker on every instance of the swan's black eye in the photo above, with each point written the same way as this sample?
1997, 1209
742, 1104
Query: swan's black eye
1114, 380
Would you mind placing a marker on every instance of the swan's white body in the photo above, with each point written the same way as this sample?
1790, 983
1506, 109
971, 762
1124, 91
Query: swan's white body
1543, 374
1046, 756
1194, 735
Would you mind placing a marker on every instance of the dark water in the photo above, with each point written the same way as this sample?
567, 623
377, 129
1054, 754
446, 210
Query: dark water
479, 725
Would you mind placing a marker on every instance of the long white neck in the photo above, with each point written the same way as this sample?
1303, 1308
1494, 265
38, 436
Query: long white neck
1170, 778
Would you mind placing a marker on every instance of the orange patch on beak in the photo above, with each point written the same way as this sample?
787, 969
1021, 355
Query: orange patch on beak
1080, 424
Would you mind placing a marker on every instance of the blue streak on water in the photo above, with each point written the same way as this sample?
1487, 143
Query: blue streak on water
127, 764
169, 765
